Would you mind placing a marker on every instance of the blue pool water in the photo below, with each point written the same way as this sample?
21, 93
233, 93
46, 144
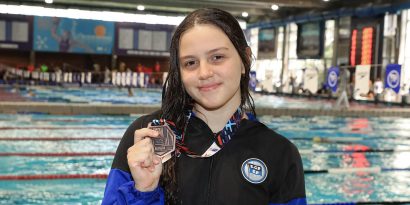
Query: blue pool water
140, 96
90, 95
324, 142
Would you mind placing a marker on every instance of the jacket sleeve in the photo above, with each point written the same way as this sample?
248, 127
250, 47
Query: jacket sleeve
120, 187
292, 185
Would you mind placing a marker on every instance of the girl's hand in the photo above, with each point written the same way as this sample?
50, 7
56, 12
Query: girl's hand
145, 166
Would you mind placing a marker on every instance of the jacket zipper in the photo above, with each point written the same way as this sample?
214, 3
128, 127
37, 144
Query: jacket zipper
209, 182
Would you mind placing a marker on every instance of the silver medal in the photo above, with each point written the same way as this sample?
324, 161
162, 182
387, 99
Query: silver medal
164, 144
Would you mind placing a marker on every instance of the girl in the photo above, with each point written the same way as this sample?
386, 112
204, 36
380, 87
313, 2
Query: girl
223, 155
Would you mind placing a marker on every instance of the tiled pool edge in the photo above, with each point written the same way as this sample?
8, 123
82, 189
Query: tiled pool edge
73, 108
116, 109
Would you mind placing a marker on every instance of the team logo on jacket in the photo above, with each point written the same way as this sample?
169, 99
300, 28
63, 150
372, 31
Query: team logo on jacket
254, 170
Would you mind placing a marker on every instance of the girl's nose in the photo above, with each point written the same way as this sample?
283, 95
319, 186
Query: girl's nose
205, 71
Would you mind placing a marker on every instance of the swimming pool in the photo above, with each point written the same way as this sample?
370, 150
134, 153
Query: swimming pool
114, 95
81, 148
110, 95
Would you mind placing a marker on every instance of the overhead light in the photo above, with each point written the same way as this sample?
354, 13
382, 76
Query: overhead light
274, 7
49, 1
89, 14
245, 14
325, 0
141, 7
95, 15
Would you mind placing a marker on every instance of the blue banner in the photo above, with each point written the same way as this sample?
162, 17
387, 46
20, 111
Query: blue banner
392, 78
73, 35
252, 80
331, 78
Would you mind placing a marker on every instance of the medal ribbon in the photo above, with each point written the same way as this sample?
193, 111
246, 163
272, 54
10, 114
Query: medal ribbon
219, 139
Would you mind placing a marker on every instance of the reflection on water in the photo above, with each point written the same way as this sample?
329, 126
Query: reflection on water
359, 183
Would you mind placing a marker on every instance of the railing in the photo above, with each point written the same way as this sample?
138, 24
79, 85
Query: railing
113, 78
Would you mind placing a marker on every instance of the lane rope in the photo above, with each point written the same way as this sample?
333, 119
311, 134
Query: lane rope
68, 176
53, 176
104, 176
79, 154
56, 138
61, 128
309, 151
345, 139
346, 170
55, 154
362, 202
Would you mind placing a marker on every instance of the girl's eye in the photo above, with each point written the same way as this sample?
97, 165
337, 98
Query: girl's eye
217, 58
190, 64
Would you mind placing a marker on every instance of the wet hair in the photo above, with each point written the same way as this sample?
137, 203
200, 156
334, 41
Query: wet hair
175, 99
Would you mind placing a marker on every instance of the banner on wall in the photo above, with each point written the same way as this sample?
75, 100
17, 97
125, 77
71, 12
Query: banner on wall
267, 43
392, 77
15, 32
252, 80
311, 80
362, 77
142, 39
73, 35
332, 77
310, 39
267, 83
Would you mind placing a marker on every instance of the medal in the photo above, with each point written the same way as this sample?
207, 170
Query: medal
164, 144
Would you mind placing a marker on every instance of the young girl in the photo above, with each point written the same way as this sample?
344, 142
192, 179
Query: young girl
223, 155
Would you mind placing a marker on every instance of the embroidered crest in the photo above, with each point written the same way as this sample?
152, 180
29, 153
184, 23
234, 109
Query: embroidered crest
254, 170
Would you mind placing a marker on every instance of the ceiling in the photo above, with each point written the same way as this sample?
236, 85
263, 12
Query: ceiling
258, 10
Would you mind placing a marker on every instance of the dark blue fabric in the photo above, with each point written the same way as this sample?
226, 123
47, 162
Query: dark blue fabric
298, 201
120, 189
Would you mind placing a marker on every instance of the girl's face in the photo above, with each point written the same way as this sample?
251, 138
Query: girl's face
210, 67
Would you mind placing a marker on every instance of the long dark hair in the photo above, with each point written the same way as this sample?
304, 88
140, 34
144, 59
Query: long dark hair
175, 99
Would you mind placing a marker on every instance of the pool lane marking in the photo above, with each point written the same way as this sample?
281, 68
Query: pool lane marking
346, 170
53, 176
56, 138
30, 119
309, 151
55, 154
61, 128
72, 154
366, 202
104, 176
345, 139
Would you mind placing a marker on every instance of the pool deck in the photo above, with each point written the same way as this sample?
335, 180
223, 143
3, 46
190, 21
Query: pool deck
124, 109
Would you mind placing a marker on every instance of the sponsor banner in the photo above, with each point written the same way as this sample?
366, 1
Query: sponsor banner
252, 80
73, 35
392, 77
362, 77
311, 80
331, 79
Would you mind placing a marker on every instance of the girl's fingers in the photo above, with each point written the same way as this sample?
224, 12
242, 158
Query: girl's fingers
147, 162
141, 155
142, 133
142, 146
142, 152
156, 160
